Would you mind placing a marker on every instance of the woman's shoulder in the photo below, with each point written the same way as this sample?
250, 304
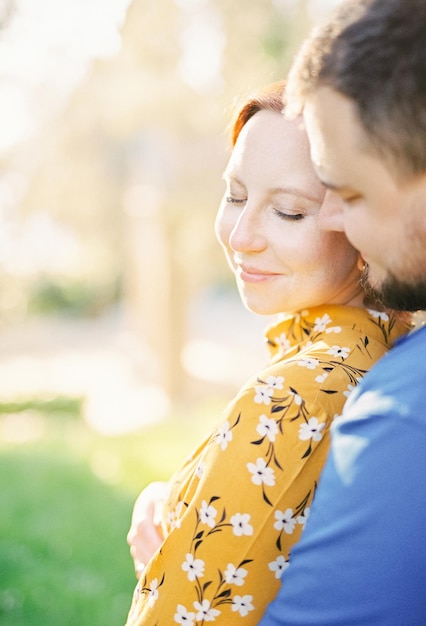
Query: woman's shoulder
335, 325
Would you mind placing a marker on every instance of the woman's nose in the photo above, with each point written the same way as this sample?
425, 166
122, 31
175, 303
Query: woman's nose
248, 233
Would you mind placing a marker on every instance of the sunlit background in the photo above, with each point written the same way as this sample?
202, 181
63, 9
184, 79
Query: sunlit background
121, 333
112, 140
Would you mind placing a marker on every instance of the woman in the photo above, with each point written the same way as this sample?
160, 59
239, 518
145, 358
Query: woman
234, 510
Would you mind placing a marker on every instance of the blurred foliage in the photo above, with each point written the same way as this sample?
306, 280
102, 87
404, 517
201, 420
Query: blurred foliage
58, 406
71, 297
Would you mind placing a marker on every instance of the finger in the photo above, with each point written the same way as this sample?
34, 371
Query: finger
139, 568
131, 535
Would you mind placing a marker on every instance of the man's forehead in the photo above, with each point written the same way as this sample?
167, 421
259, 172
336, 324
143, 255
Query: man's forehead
335, 134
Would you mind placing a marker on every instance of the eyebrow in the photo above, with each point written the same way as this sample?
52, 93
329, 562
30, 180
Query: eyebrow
329, 185
338, 188
291, 191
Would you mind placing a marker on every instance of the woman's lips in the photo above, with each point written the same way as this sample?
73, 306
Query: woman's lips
254, 274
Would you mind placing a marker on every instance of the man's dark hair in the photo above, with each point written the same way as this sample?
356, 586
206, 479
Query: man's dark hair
373, 52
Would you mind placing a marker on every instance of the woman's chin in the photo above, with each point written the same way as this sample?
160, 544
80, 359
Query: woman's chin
258, 308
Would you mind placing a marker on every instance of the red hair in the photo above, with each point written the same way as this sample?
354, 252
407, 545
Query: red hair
270, 98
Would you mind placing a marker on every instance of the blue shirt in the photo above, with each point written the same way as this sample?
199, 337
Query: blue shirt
362, 557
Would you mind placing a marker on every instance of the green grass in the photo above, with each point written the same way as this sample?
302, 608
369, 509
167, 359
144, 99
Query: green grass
63, 553
66, 500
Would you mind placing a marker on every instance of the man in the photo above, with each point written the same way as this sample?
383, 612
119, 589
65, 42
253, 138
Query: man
361, 83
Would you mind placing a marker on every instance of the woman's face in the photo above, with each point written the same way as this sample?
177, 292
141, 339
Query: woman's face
268, 224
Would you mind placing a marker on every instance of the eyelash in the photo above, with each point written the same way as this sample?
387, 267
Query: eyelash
293, 217
232, 200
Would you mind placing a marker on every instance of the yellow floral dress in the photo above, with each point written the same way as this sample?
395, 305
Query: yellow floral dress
240, 502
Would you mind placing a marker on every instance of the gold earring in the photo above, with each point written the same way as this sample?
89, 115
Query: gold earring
361, 264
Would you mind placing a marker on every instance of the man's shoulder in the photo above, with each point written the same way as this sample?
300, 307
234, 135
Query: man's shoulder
409, 352
397, 383
412, 341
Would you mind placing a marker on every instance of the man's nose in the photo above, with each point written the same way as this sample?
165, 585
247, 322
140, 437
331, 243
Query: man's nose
331, 212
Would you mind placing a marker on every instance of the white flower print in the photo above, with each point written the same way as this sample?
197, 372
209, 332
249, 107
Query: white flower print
311, 364
339, 351
205, 612
208, 514
240, 524
321, 322
194, 567
283, 342
275, 381
183, 616
337, 416
381, 315
235, 575
297, 399
302, 519
311, 430
334, 329
321, 377
224, 435
153, 592
349, 390
267, 427
278, 566
173, 517
285, 521
261, 473
242, 604
263, 395
199, 471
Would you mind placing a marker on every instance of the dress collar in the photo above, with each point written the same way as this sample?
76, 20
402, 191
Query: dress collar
295, 329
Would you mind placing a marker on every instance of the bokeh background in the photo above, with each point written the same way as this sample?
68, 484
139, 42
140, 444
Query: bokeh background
121, 334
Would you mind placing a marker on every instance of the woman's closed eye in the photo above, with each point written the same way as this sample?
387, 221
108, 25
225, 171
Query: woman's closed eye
291, 216
232, 200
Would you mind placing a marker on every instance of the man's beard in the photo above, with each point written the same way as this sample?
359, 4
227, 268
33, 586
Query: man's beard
395, 294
